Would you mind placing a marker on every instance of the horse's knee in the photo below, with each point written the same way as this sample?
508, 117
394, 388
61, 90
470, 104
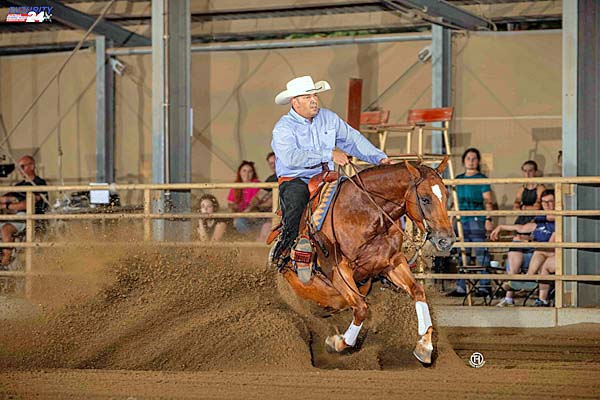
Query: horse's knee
418, 292
360, 312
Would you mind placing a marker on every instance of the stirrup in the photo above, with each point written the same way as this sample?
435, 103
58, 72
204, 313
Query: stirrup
302, 256
277, 257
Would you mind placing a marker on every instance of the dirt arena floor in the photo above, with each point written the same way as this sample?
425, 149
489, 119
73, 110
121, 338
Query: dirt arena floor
175, 324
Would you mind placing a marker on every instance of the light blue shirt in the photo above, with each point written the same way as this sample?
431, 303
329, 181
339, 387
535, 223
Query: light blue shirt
300, 144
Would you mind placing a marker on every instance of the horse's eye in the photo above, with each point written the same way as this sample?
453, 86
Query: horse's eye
425, 201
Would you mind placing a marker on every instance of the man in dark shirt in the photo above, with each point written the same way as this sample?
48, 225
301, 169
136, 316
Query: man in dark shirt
14, 203
271, 161
263, 201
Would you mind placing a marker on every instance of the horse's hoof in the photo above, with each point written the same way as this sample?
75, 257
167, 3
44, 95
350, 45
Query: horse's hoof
423, 352
335, 343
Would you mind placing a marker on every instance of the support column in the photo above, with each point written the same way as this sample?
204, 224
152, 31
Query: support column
588, 142
105, 114
441, 77
569, 139
171, 125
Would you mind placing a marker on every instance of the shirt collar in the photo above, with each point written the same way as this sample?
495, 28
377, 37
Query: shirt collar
300, 118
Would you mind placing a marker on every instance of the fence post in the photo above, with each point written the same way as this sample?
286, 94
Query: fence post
29, 230
558, 235
147, 211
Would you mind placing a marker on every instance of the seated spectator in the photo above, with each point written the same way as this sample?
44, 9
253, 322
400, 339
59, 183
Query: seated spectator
239, 200
263, 201
210, 228
14, 203
542, 230
271, 162
548, 266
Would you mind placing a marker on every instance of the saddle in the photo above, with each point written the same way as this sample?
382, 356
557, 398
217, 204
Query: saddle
315, 186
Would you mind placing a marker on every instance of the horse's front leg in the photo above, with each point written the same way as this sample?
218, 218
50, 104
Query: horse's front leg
343, 281
402, 276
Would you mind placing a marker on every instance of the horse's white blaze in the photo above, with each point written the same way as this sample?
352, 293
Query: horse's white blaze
437, 191
351, 334
423, 317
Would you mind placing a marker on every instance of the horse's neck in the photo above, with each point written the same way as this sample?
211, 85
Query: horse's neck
390, 184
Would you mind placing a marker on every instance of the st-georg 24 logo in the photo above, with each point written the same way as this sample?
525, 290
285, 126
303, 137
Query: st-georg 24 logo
29, 14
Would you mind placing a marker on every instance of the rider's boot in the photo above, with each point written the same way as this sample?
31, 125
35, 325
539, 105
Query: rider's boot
302, 257
279, 254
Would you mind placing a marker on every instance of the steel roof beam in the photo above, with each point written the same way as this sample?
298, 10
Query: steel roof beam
442, 13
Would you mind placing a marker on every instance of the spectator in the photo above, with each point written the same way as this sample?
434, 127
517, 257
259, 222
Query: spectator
210, 228
14, 203
474, 197
528, 198
271, 162
239, 200
263, 201
542, 230
548, 264
528, 195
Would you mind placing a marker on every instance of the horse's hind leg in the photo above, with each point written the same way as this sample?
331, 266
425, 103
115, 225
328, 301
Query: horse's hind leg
403, 277
343, 281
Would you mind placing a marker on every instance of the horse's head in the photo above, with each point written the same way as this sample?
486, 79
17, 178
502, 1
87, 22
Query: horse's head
426, 204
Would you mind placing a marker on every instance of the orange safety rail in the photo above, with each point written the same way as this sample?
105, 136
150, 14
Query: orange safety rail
420, 116
374, 117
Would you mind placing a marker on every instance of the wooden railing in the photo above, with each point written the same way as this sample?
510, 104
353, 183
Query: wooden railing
563, 185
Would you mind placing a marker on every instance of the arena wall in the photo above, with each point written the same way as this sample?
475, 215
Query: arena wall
506, 94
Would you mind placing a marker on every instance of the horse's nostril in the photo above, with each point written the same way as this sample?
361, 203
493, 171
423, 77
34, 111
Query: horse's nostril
443, 242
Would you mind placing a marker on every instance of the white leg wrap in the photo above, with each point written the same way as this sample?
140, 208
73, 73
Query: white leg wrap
351, 334
423, 317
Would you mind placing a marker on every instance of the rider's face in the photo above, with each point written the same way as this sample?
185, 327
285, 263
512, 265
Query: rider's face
306, 105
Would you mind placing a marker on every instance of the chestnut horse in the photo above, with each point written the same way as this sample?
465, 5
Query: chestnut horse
361, 238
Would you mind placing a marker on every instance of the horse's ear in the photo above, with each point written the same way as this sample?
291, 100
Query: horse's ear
442, 167
413, 171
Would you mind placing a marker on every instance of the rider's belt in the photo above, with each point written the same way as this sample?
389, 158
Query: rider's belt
282, 179
324, 166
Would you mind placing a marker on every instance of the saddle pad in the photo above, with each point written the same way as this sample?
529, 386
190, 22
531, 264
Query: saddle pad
325, 199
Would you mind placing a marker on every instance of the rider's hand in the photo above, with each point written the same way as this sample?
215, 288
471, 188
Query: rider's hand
339, 157
495, 233
385, 161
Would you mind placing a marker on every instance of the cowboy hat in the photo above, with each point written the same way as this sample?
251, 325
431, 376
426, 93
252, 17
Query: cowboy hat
300, 86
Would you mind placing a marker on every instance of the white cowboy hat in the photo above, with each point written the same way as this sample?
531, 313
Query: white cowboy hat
300, 86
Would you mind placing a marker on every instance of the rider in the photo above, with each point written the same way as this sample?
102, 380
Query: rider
304, 140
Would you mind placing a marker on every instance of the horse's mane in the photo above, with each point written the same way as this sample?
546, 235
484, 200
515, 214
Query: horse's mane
423, 169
